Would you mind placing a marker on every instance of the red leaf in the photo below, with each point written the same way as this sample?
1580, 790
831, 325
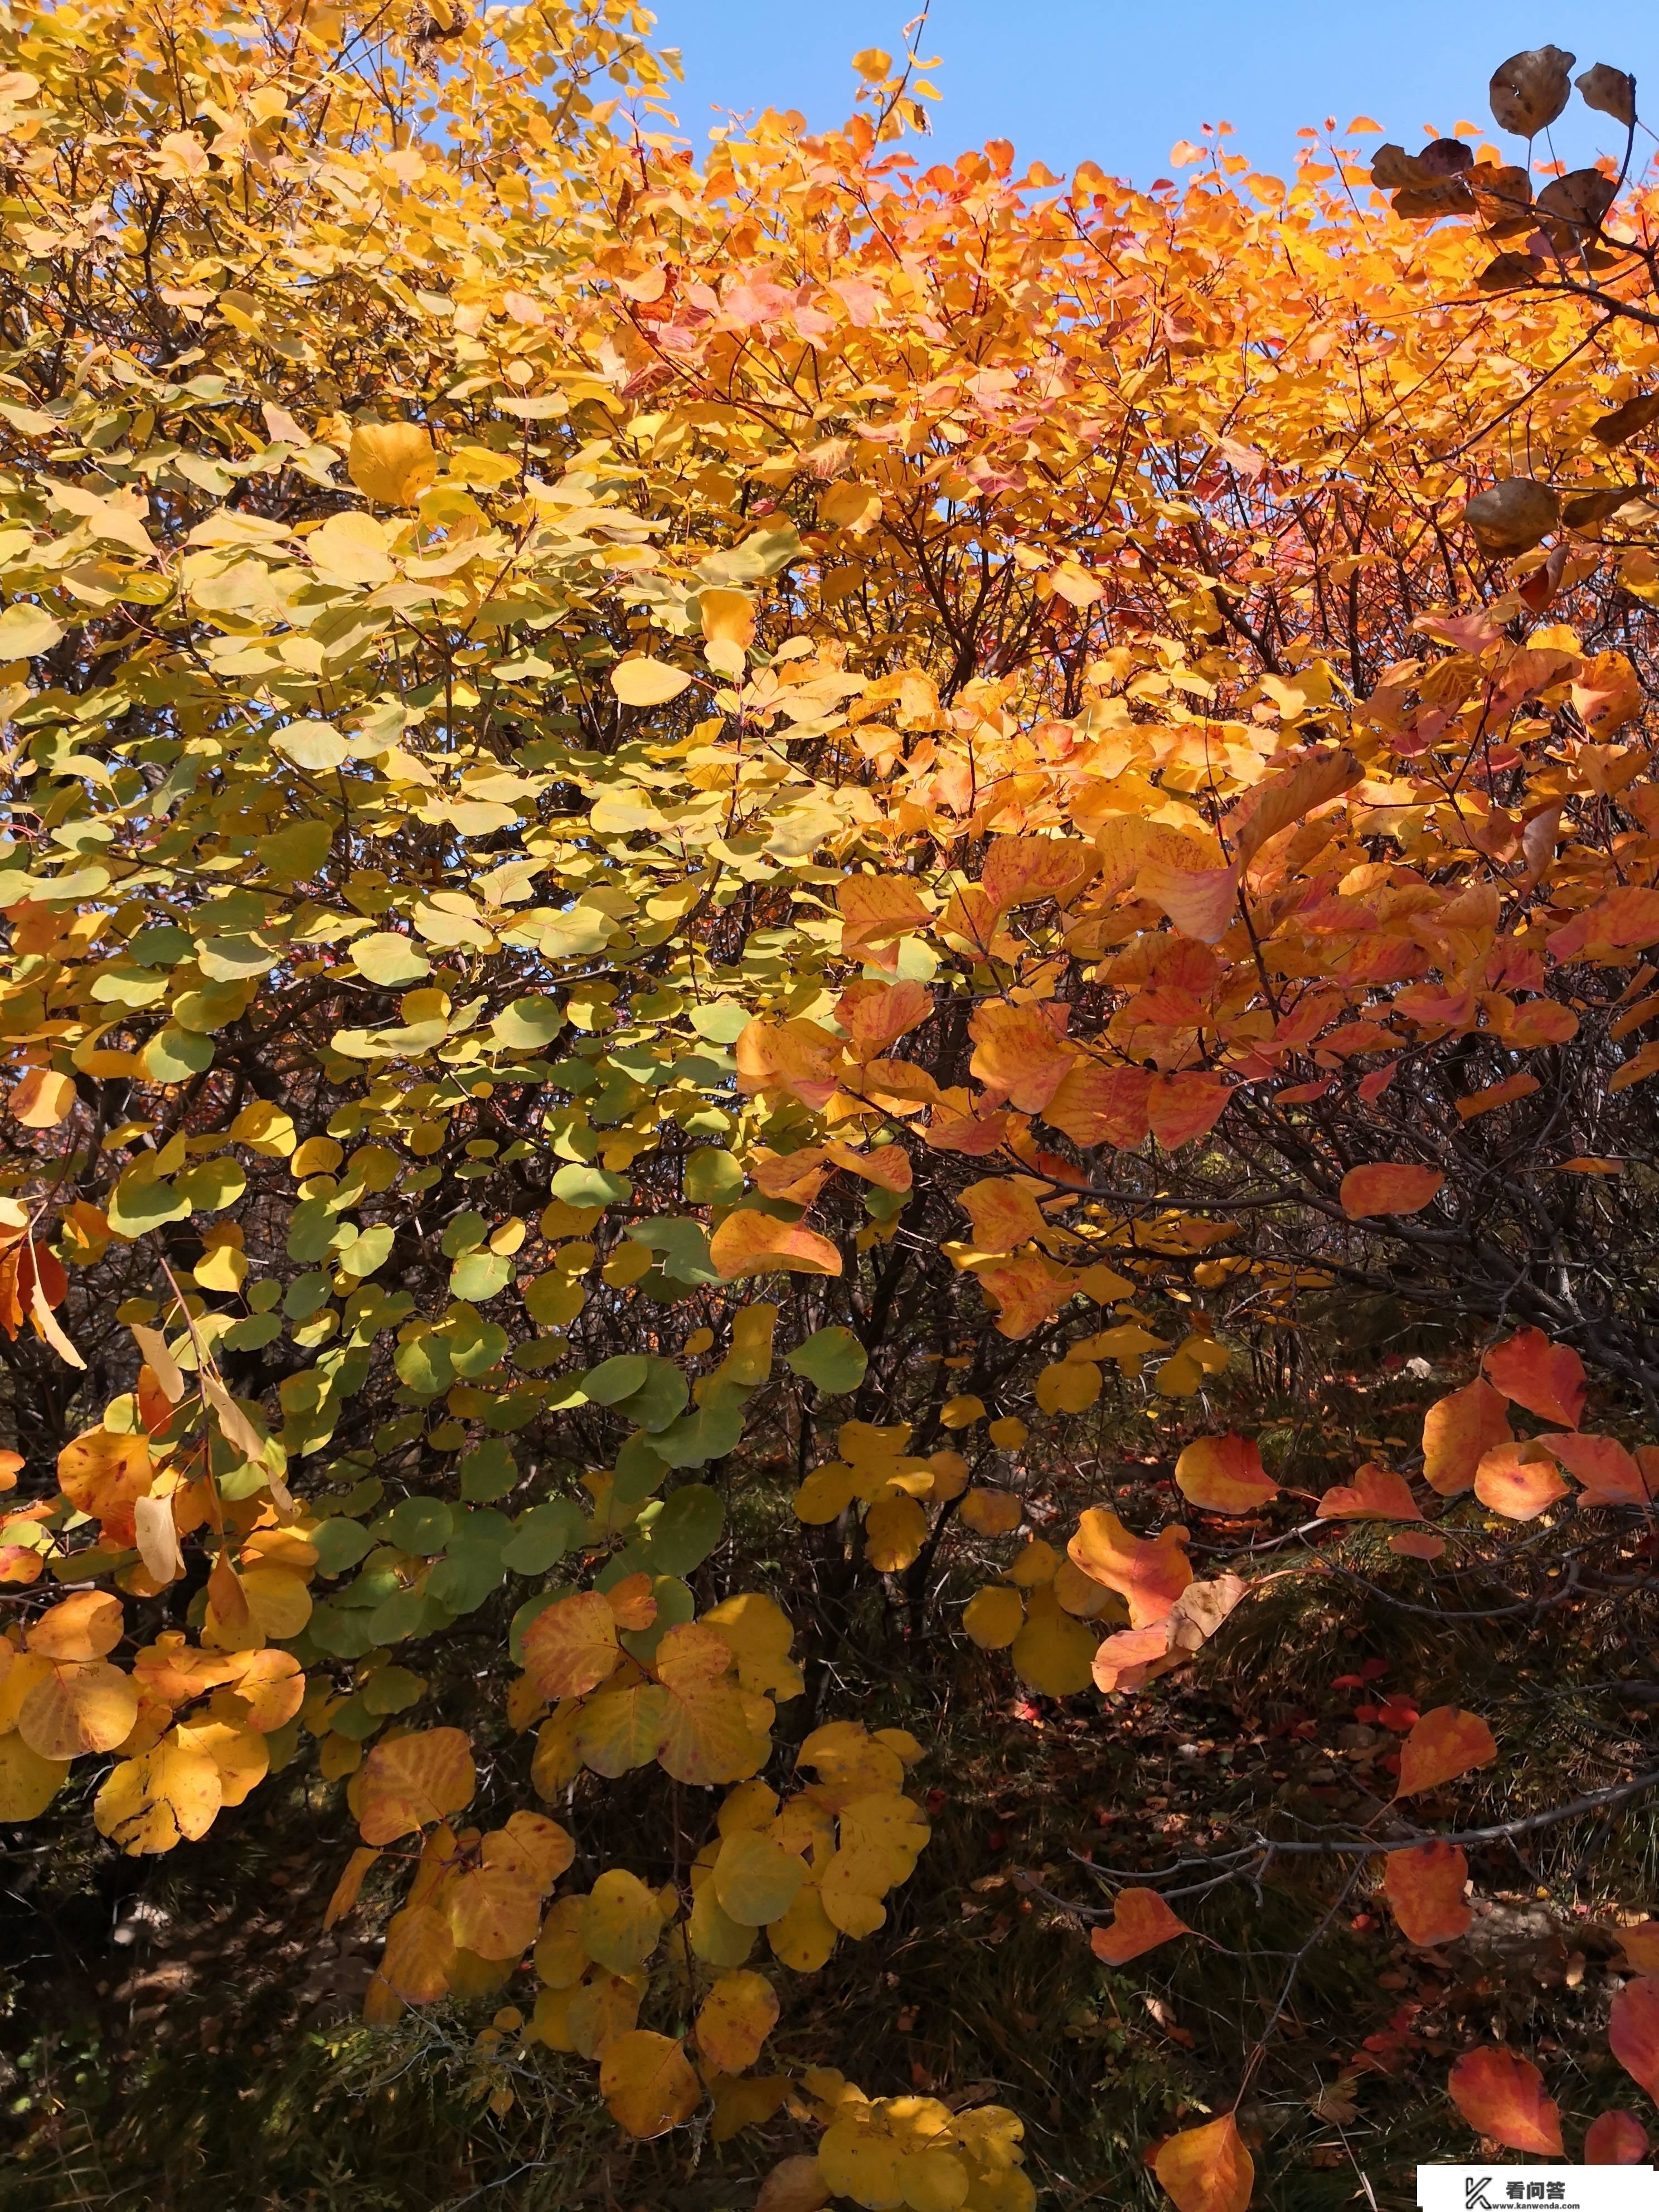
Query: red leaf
1633, 2032
1386, 1187
1547, 1378
1377, 1493
1615, 2139
1445, 1743
1140, 1922
1502, 2096
1609, 1474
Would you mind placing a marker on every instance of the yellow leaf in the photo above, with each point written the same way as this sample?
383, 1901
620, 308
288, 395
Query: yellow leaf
647, 2084
170, 1795
621, 1926
755, 1879
734, 2020
993, 1617
28, 1783
646, 683
391, 462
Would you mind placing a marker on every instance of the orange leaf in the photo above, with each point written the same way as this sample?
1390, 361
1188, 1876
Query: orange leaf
875, 1015
570, 1647
1207, 2169
413, 1780
1641, 1946
1293, 793
1224, 1474
1518, 1480
1096, 1105
102, 1473
1019, 870
1444, 1743
876, 911
1377, 1493
1615, 2139
41, 1099
1502, 2096
795, 1056
1633, 2032
1201, 901
1387, 1188
419, 1955
1182, 1107
1424, 1889
1149, 1576
1458, 1432
1140, 1922
750, 1243
88, 1625
1418, 1544
1547, 1379
1004, 1213
1609, 1474
1018, 1054
1026, 1292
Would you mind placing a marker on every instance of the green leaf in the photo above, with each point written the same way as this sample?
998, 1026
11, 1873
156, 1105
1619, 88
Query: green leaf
834, 1359
489, 1472
462, 1580
465, 1234
683, 1244
475, 1344
659, 1399
577, 1184
312, 1231
339, 1543
424, 1364
211, 1185
138, 1204
421, 1525
713, 1177
542, 1537
342, 1631
639, 1470
371, 1249
480, 1275
678, 1534
174, 1055
305, 1296
393, 1690
252, 1332
295, 854
722, 1021
613, 1380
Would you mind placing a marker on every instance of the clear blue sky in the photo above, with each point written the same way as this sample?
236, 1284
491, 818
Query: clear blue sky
1071, 80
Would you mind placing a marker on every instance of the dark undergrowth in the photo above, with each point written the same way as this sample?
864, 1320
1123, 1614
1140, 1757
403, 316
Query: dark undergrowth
180, 2032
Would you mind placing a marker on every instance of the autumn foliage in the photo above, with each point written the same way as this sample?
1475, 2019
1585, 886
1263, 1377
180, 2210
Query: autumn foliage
713, 864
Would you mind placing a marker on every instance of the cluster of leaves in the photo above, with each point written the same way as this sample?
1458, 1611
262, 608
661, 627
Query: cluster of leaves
582, 730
